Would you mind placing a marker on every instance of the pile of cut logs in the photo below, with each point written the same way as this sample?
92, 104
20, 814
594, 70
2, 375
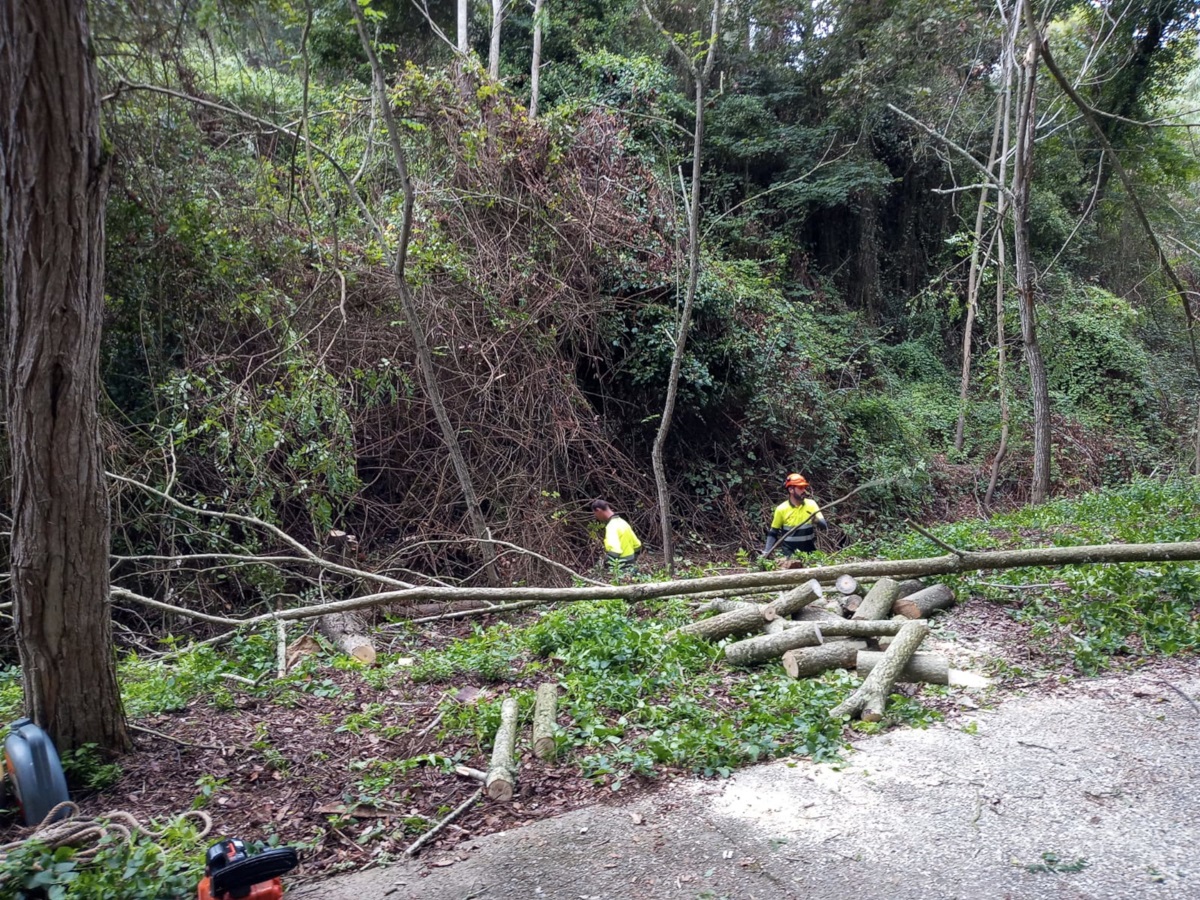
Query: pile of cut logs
892, 615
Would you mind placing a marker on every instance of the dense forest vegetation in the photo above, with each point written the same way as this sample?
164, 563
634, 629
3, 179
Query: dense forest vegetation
257, 356
437, 275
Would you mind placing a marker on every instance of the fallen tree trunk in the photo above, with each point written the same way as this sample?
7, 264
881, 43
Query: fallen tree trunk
951, 563
808, 661
349, 634
502, 773
920, 604
420, 610
929, 668
909, 586
878, 602
545, 714
870, 699
772, 646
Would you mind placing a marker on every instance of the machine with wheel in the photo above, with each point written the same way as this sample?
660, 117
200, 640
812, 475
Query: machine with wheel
33, 772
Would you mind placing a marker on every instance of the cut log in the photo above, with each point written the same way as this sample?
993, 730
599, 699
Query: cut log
870, 699
846, 584
808, 661
420, 610
929, 668
744, 620
909, 586
545, 715
878, 602
796, 599
720, 605
502, 773
771, 646
920, 604
752, 617
349, 635
852, 603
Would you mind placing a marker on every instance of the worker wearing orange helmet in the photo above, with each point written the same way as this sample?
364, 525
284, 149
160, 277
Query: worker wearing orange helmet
795, 520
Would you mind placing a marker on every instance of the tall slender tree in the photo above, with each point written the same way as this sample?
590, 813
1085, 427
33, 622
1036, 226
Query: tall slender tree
699, 75
53, 186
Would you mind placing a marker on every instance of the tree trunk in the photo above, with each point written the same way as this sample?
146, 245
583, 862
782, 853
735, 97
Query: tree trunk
951, 563
1039, 487
699, 77
809, 661
535, 67
927, 668
463, 12
909, 586
412, 313
53, 186
1007, 70
494, 45
752, 616
973, 278
502, 773
870, 699
922, 603
878, 602
545, 715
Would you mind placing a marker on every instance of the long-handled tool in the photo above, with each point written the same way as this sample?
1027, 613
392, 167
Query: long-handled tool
232, 874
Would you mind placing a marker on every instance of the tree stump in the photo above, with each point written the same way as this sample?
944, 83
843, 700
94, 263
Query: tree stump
878, 602
927, 668
545, 715
808, 661
502, 773
920, 604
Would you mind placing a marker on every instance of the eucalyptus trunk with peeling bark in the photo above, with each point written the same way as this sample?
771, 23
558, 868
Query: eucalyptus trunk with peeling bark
53, 186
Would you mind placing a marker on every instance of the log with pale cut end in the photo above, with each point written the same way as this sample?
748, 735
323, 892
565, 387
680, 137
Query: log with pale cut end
796, 599
878, 602
846, 584
349, 634
545, 714
808, 661
852, 603
502, 773
920, 604
909, 586
929, 668
871, 697
771, 646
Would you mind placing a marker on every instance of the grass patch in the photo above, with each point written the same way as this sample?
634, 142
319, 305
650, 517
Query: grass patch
1098, 616
640, 704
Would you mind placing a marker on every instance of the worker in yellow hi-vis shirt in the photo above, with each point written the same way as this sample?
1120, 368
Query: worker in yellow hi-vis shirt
794, 520
621, 545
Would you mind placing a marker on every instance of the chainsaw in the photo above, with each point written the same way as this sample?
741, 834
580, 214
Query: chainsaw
232, 874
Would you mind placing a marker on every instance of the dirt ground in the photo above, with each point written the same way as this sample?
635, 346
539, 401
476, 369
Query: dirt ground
1084, 791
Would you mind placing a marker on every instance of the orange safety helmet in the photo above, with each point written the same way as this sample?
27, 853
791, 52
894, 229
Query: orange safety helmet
796, 480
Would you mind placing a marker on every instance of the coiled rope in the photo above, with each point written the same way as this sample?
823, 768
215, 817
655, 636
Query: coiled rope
88, 834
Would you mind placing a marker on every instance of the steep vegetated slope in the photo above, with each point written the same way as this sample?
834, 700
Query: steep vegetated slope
257, 357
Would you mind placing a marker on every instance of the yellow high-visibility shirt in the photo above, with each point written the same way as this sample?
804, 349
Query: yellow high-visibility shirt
619, 539
788, 516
